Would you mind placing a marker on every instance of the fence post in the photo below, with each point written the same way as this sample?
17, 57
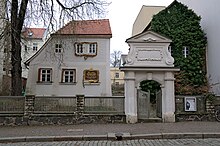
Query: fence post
29, 107
80, 103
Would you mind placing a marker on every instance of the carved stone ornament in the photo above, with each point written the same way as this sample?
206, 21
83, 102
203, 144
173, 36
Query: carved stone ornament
129, 61
169, 59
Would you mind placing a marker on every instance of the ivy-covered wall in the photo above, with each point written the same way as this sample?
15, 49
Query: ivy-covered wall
182, 26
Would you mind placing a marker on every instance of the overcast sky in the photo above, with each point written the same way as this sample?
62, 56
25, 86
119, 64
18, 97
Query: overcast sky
122, 14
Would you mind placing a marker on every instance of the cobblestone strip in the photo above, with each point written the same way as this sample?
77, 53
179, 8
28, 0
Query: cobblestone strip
140, 142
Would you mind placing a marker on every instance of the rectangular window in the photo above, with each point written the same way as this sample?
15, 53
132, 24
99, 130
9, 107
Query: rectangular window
79, 48
185, 51
68, 76
58, 48
116, 75
92, 48
35, 46
45, 75
86, 49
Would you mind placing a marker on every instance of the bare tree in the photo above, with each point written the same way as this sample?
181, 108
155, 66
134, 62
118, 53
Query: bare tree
115, 58
53, 14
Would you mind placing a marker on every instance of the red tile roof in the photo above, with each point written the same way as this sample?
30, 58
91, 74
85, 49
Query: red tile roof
36, 33
86, 27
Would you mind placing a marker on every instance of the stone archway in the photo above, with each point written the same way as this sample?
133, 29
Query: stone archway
149, 59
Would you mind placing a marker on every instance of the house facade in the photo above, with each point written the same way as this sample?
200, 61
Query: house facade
74, 60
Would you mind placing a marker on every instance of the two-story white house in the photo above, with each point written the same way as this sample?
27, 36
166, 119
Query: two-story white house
74, 60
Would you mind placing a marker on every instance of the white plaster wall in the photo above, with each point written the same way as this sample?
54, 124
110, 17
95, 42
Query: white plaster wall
209, 11
47, 58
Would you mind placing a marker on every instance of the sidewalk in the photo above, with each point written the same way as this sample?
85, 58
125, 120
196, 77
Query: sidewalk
110, 131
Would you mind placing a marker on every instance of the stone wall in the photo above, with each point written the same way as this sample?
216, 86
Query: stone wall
204, 110
29, 117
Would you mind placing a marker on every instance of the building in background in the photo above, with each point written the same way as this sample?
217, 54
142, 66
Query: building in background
210, 23
209, 12
117, 76
32, 40
144, 17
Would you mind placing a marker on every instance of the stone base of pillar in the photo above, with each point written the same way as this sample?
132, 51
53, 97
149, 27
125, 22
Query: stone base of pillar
131, 119
169, 118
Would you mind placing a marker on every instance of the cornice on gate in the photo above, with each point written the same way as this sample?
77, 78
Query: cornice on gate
148, 37
149, 49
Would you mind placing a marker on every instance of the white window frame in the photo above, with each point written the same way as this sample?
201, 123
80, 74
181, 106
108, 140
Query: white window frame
185, 51
92, 48
86, 48
66, 74
45, 77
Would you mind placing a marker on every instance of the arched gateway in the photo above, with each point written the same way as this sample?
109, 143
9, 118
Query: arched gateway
149, 59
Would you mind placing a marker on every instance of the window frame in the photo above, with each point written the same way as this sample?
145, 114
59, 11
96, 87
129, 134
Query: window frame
63, 75
86, 49
185, 51
117, 75
35, 47
58, 48
40, 75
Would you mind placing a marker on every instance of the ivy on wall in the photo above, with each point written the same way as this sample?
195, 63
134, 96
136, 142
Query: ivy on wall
182, 26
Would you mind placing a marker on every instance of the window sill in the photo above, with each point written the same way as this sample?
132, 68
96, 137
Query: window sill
67, 83
44, 83
90, 83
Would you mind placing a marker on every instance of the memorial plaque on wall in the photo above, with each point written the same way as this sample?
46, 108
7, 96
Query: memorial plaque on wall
91, 76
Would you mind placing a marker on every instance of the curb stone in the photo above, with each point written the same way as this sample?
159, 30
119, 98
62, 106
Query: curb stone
110, 136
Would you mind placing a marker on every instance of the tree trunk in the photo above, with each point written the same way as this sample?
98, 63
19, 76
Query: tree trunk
17, 21
16, 81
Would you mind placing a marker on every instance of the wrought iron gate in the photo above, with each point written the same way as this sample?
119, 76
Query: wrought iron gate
159, 103
143, 104
146, 109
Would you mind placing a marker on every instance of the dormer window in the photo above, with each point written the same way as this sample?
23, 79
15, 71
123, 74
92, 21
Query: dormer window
185, 51
58, 48
86, 49
35, 46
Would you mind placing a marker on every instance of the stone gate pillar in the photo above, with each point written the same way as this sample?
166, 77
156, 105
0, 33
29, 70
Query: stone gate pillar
130, 98
168, 101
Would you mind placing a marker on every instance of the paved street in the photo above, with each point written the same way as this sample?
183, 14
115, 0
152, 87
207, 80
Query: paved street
140, 134
140, 142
